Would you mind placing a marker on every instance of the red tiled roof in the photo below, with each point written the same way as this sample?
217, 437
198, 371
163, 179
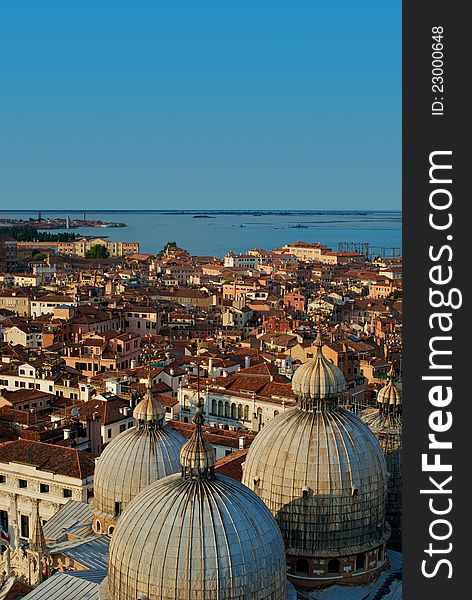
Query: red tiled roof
232, 465
48, 457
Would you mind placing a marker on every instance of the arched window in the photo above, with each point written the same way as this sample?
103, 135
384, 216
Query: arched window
227, 409
98, 526
334, 567
276, 412
111, 529
186, 402
185, 419
302, 567
360, 561
240, 411
220, 408
233, 411
246, 413
214, 409
381, 554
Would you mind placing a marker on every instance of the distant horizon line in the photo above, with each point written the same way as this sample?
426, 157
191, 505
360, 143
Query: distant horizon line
201, 211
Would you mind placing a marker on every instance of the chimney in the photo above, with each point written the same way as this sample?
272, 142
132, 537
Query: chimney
210, 367
247, 362
67, 433
242, 442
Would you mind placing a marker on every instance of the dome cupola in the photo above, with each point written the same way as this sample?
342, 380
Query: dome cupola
318, 379
133, 460
386, 423
197, 535
321, 472
390, 396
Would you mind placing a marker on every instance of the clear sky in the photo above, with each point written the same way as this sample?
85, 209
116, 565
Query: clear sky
200, 104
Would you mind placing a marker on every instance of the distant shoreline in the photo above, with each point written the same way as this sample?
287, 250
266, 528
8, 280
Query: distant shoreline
212, 212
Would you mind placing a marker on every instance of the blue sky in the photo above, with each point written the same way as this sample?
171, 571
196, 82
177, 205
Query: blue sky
211, 104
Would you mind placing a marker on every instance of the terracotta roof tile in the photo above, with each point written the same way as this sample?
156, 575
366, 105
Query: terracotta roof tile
48, 457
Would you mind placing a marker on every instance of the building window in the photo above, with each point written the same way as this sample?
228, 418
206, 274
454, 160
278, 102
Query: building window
111, 529
4, 520
334, 567
117, 508
44, 488
3, 479
22, 483
122, 427
24, 526
109, 433
360, 562
302, 567
67, 493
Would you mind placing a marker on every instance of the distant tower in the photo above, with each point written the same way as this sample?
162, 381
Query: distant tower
85, 215
40, 216
67, 222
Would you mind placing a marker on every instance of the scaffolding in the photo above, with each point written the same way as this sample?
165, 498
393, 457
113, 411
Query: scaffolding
369, 251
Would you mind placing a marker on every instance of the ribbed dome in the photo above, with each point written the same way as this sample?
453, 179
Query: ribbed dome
136, 458
390, 395
318, 378
386, 423
197, 536
323, 476
149, 409
187, 540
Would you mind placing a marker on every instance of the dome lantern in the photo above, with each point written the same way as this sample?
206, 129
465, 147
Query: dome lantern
149, 412
318, 383
197, 456
390, 396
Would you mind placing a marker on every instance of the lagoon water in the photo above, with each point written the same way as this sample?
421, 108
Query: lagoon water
238, 231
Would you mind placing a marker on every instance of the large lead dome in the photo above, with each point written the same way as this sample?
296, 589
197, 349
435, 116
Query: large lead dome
197, 536
133, 460
322, 474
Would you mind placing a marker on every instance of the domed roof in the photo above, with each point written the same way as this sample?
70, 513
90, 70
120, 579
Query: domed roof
318, 378
386, 421
136, 458
320, 470
390, 395
197, 535
323, 476
149, 409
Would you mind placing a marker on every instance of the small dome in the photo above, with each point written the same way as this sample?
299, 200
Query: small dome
322, 474
135, 459
390, 395
149, 409
318, 378
197, 536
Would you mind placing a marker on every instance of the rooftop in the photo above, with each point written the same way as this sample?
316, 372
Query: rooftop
48, 457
